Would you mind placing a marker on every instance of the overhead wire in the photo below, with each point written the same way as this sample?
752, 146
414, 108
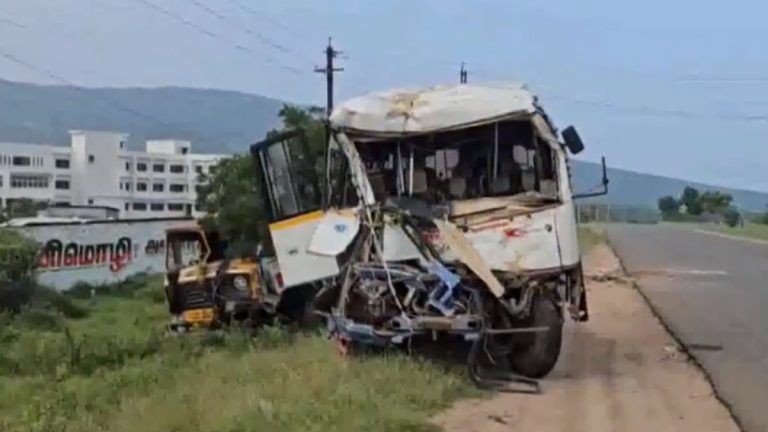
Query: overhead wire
211, 34
12, 22
646, 110
90, 95
52, 76
626, 109
263, 39
260, 15
658, 112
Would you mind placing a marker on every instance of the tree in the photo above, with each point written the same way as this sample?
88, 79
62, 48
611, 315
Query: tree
669, 205
230, 194
715, 202
24, 207
690, 199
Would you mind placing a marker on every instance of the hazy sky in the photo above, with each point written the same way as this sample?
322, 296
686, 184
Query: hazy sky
677, 88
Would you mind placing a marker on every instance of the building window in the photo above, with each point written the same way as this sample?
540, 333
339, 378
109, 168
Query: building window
199, 169
176, 187
176, 169
62, 163
128, 186
22, 161
140, 206
90, 201
127, 206
184, 150
158, 168
28, 182
141, 166
157, 187
62, 184
91, 158
141, 187
122, 146
1, 184
175, 207
127, 166
157, 207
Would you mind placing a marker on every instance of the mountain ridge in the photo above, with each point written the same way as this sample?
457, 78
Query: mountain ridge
227, 121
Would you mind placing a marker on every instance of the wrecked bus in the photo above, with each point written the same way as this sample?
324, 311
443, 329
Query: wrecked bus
444, 211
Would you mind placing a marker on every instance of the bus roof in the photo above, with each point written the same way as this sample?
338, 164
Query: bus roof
433, 109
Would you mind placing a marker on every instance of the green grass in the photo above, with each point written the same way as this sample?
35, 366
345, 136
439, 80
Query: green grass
116, 370
590, 236
750, 230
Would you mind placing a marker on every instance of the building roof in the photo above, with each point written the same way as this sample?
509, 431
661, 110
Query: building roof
431, 109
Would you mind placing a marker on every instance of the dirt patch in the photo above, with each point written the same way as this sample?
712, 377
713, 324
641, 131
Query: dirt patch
620, 371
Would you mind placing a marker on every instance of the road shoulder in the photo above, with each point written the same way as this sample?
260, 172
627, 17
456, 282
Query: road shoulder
619, 371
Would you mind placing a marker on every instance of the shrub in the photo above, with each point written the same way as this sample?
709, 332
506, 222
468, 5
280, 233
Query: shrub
732, 217
18, 256
39, 319
138, 285
49, 299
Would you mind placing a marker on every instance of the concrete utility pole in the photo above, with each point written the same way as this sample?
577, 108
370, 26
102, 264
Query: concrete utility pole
463, 74
329, 70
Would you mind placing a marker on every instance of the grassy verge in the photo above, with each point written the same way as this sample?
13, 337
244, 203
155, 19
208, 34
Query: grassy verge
589, 237
114, 369
751, 230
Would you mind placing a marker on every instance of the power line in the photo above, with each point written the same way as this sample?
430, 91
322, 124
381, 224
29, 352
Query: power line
184, 21
12, 23
263, 39
658, 112
63, 81
261, 15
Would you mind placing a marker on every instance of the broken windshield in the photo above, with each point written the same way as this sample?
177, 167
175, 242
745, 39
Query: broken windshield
503, 159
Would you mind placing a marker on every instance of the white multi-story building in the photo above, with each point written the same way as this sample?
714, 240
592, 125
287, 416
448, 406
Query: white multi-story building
98, 170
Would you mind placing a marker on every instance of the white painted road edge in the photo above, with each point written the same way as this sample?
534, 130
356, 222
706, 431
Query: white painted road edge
746, 239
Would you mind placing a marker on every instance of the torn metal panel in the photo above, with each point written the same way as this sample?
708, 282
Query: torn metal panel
544, 130
397, 246
467, 254
335, 232
357, 168
517, 244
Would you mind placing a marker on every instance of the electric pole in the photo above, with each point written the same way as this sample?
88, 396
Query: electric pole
329, 70
463, 74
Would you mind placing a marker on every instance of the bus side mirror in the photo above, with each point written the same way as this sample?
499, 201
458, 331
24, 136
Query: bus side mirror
572, 140
600, 190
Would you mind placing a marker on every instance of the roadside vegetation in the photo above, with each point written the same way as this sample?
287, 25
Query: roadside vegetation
590, 235
712, 211
99, 357
695, 206
112, 367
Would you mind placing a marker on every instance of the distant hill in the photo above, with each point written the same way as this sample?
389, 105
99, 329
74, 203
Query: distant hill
227, 122
633, 188
214, 120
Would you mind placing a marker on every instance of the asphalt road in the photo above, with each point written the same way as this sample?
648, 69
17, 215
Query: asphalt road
712, 292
